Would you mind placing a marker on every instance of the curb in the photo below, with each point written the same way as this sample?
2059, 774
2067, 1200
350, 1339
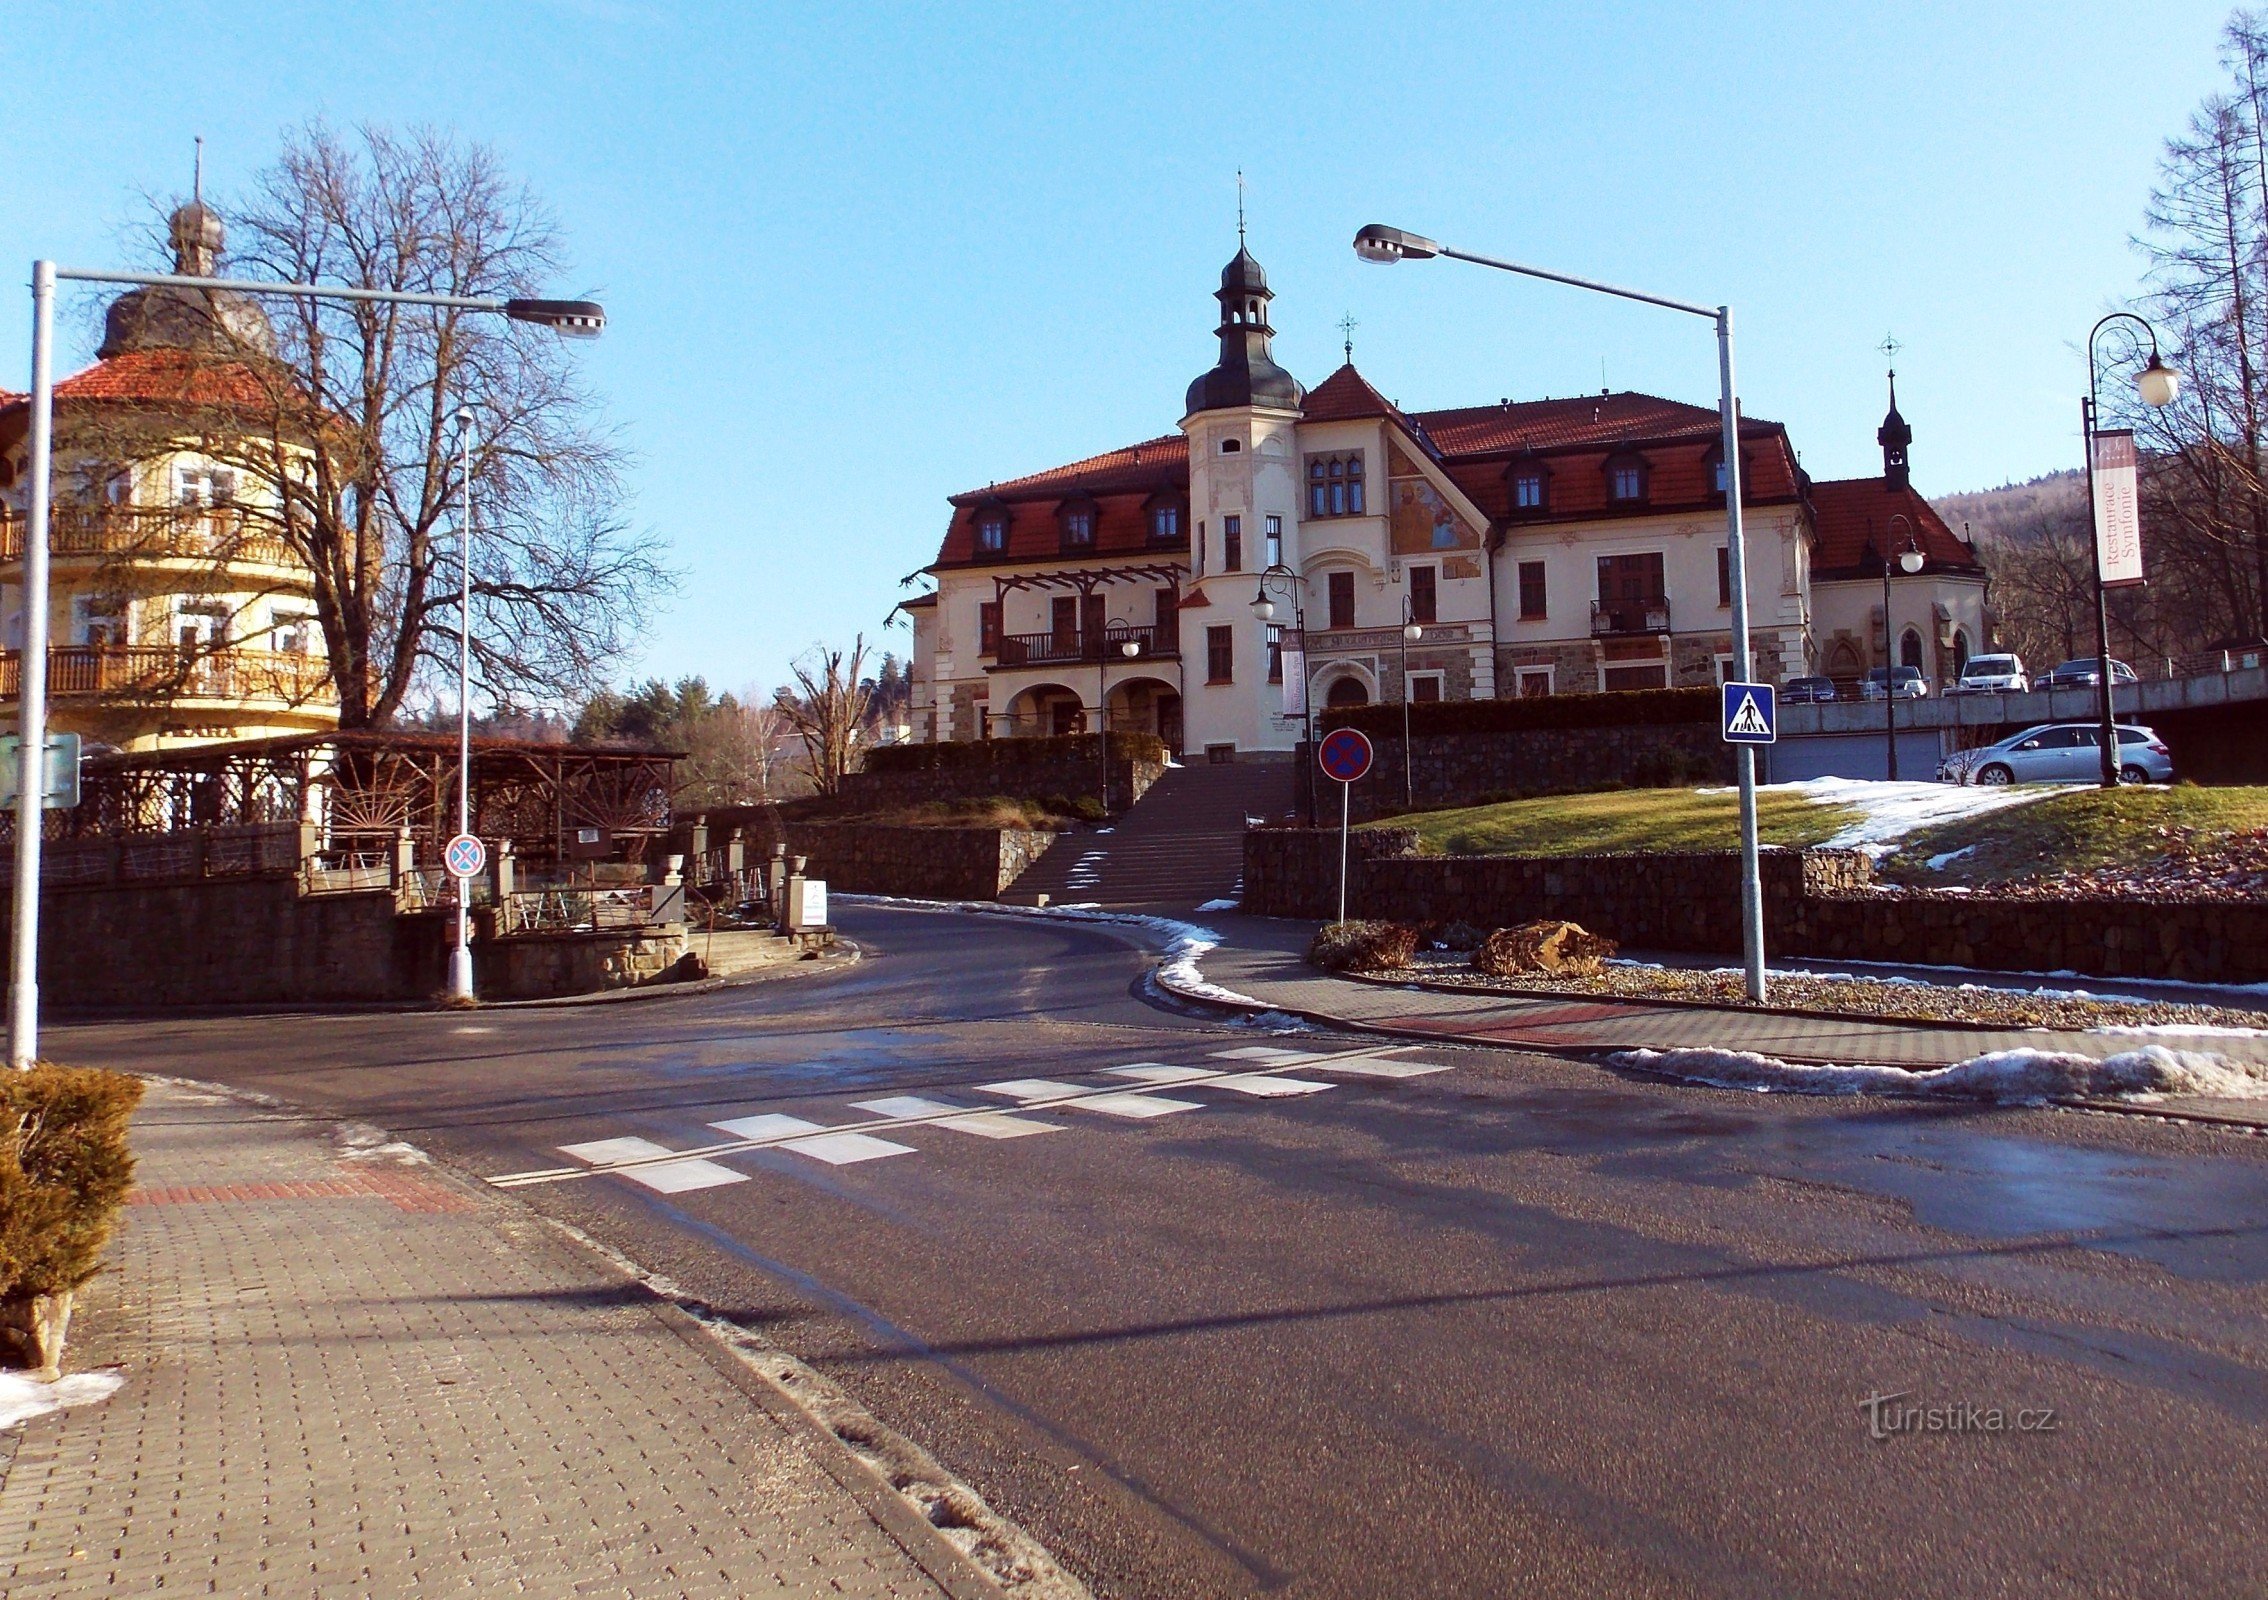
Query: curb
907, 1492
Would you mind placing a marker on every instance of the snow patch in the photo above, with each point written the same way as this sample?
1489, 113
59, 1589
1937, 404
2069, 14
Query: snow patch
359, 1141
23, 1397
1890, 811
2007, 1077
1220, 905
1939, 863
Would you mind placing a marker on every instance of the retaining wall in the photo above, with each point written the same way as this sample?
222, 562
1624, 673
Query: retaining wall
1018, 768
1470, 768
924, 863
1817, 903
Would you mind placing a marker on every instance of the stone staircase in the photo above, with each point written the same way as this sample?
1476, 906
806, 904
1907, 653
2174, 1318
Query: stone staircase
1181, 845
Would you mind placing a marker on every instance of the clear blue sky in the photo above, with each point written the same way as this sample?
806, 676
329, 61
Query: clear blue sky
858, 258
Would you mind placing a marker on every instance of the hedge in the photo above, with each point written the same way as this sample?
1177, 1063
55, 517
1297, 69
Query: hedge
968, 753
64, 1172
1625, 709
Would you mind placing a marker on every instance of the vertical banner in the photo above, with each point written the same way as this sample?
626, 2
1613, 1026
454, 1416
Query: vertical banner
2118, 509
1294, 658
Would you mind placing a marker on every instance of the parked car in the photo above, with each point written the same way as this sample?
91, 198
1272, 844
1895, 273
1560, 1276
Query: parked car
1910, 685
2083, 673
1996, 674
2062, 752
1807, 691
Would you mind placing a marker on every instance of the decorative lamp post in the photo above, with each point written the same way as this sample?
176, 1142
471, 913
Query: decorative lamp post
2156, 385
460, 955
1129, 648
1287, 583
1909, 562
1411, 634
575, 319
1379, 243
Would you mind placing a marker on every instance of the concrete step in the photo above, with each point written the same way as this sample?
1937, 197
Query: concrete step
1182, 844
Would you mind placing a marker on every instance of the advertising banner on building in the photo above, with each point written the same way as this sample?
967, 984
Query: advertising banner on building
2118, 508
1295, 676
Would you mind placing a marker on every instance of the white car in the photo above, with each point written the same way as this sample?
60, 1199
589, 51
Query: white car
2062, 752
1996, 674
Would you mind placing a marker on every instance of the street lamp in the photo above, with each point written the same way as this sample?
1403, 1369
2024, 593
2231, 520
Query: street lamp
460, 955
1287, 583
2157, 384
1909, 562
1385, 245
1129, 648
574, 319
1411, 634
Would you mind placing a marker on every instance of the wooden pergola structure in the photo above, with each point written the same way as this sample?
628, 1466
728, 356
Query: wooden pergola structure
550, 803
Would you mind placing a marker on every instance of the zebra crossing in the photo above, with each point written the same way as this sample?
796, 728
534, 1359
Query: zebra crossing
1018, 1108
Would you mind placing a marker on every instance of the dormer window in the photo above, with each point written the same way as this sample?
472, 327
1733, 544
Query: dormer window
1529, 484
1165, 523
1334, 485
1079, 526
1626, 480
992, 532
1717, 476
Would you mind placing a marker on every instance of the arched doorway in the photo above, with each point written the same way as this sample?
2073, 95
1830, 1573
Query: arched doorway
1042, 711
1346, 692
1147, 705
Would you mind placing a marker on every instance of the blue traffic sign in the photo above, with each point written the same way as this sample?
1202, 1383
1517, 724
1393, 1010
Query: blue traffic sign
1344, 754
465, 856
1751, 713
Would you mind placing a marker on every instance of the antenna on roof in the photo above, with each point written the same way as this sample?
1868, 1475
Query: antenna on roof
197, 177
1240, 208
1347, 326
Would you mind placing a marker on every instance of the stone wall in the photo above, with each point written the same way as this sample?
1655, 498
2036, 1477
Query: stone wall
540, 965
922, 863
1018, 768
1464, 769
1818, 903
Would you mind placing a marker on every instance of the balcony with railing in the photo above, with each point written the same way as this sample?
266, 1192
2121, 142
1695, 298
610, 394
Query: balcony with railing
1049, 649
222, 535
169, 673
1610, 618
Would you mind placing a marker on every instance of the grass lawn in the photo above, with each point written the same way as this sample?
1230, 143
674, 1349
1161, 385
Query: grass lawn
1619, 820
2081, 830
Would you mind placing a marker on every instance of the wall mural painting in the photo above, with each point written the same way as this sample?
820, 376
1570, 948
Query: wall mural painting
1423, 522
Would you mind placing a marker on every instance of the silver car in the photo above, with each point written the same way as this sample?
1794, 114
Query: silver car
2062, 752
1995, 674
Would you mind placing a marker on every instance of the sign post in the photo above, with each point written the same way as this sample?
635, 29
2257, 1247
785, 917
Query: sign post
1344, 755
466, 858
1751, 713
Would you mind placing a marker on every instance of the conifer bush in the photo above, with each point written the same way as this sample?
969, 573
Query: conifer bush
64, 1172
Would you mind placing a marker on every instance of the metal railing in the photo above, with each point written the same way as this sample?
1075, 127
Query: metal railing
169, 672
1037, 649
208, 533
584, 909
1628, 617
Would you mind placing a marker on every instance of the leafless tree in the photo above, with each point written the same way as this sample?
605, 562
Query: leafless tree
345, 426
827, 709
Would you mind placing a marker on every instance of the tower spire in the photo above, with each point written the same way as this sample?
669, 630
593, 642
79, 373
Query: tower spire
1347, 326
1894, 435
1240, 208
197, 175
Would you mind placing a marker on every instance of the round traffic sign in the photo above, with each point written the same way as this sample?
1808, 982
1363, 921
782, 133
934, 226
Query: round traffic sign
1344, 754
465, 856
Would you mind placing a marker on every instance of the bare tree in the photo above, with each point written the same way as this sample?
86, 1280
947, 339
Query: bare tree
343, 421
827, 709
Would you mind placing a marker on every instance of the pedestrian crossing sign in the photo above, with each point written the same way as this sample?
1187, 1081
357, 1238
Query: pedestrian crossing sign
1750, 715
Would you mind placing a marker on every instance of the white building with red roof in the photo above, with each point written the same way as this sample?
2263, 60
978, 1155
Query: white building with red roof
1543, 547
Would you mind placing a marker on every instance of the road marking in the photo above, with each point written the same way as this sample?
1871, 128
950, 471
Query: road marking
842, 1149
635, 1159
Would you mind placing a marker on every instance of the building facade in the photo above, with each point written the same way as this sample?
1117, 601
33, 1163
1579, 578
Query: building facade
1541, 547
176, 615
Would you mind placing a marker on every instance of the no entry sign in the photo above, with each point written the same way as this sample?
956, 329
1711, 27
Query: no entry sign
1344, 755
465, 856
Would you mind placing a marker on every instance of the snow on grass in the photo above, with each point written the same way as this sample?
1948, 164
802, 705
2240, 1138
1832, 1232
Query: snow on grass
23, 1397
2008, 1077
1938, 863
1890, 811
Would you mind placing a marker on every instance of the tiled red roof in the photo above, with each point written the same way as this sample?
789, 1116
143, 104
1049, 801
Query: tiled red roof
1557, 424
1122, 483
1849, 514
1345, 396
164, 376
1145, 466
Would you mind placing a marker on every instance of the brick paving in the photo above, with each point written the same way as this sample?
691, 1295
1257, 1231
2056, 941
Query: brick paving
354, 1377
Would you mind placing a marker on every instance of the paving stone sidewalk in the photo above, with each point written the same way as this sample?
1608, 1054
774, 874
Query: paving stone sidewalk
353, 1376
1262, 957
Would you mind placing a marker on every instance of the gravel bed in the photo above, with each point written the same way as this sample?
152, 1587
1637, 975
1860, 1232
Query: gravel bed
1903, 1000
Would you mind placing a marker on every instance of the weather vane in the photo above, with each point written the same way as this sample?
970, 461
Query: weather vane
1347, 326
1890, 348
1240, 208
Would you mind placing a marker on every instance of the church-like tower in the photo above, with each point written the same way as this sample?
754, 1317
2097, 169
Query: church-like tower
1894, 437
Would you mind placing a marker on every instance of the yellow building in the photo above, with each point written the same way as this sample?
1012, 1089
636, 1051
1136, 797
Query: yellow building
176, 614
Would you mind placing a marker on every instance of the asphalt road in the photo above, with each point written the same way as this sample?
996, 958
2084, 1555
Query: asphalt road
1514, 1327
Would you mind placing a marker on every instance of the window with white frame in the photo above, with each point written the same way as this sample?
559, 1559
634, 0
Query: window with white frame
198, 624
1427, 687
1532, 683
99, 621
291, 633
1275, 532
992, 532
203, 485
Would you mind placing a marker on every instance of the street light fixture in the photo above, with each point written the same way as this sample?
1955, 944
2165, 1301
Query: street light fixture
1411, 634
460, 954
1129, 648
1909, 562
574, 319
1385, 245
1287, 583
2157, 384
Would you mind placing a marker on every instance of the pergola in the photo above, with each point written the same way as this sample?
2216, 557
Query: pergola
549, 802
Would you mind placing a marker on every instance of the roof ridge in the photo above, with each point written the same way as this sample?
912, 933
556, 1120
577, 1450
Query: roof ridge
1122, 455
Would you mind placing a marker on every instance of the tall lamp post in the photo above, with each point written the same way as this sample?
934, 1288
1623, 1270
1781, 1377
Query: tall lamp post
1129, 649
1385, 245
460, 956
1909, 561
1287, 583
1411, 633
2157, 384
574, 318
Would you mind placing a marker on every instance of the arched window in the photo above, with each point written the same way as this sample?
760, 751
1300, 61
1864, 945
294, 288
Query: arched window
1318, 494
1960, 651
1354, 486
1909, 649
1338, 488
1334, 485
